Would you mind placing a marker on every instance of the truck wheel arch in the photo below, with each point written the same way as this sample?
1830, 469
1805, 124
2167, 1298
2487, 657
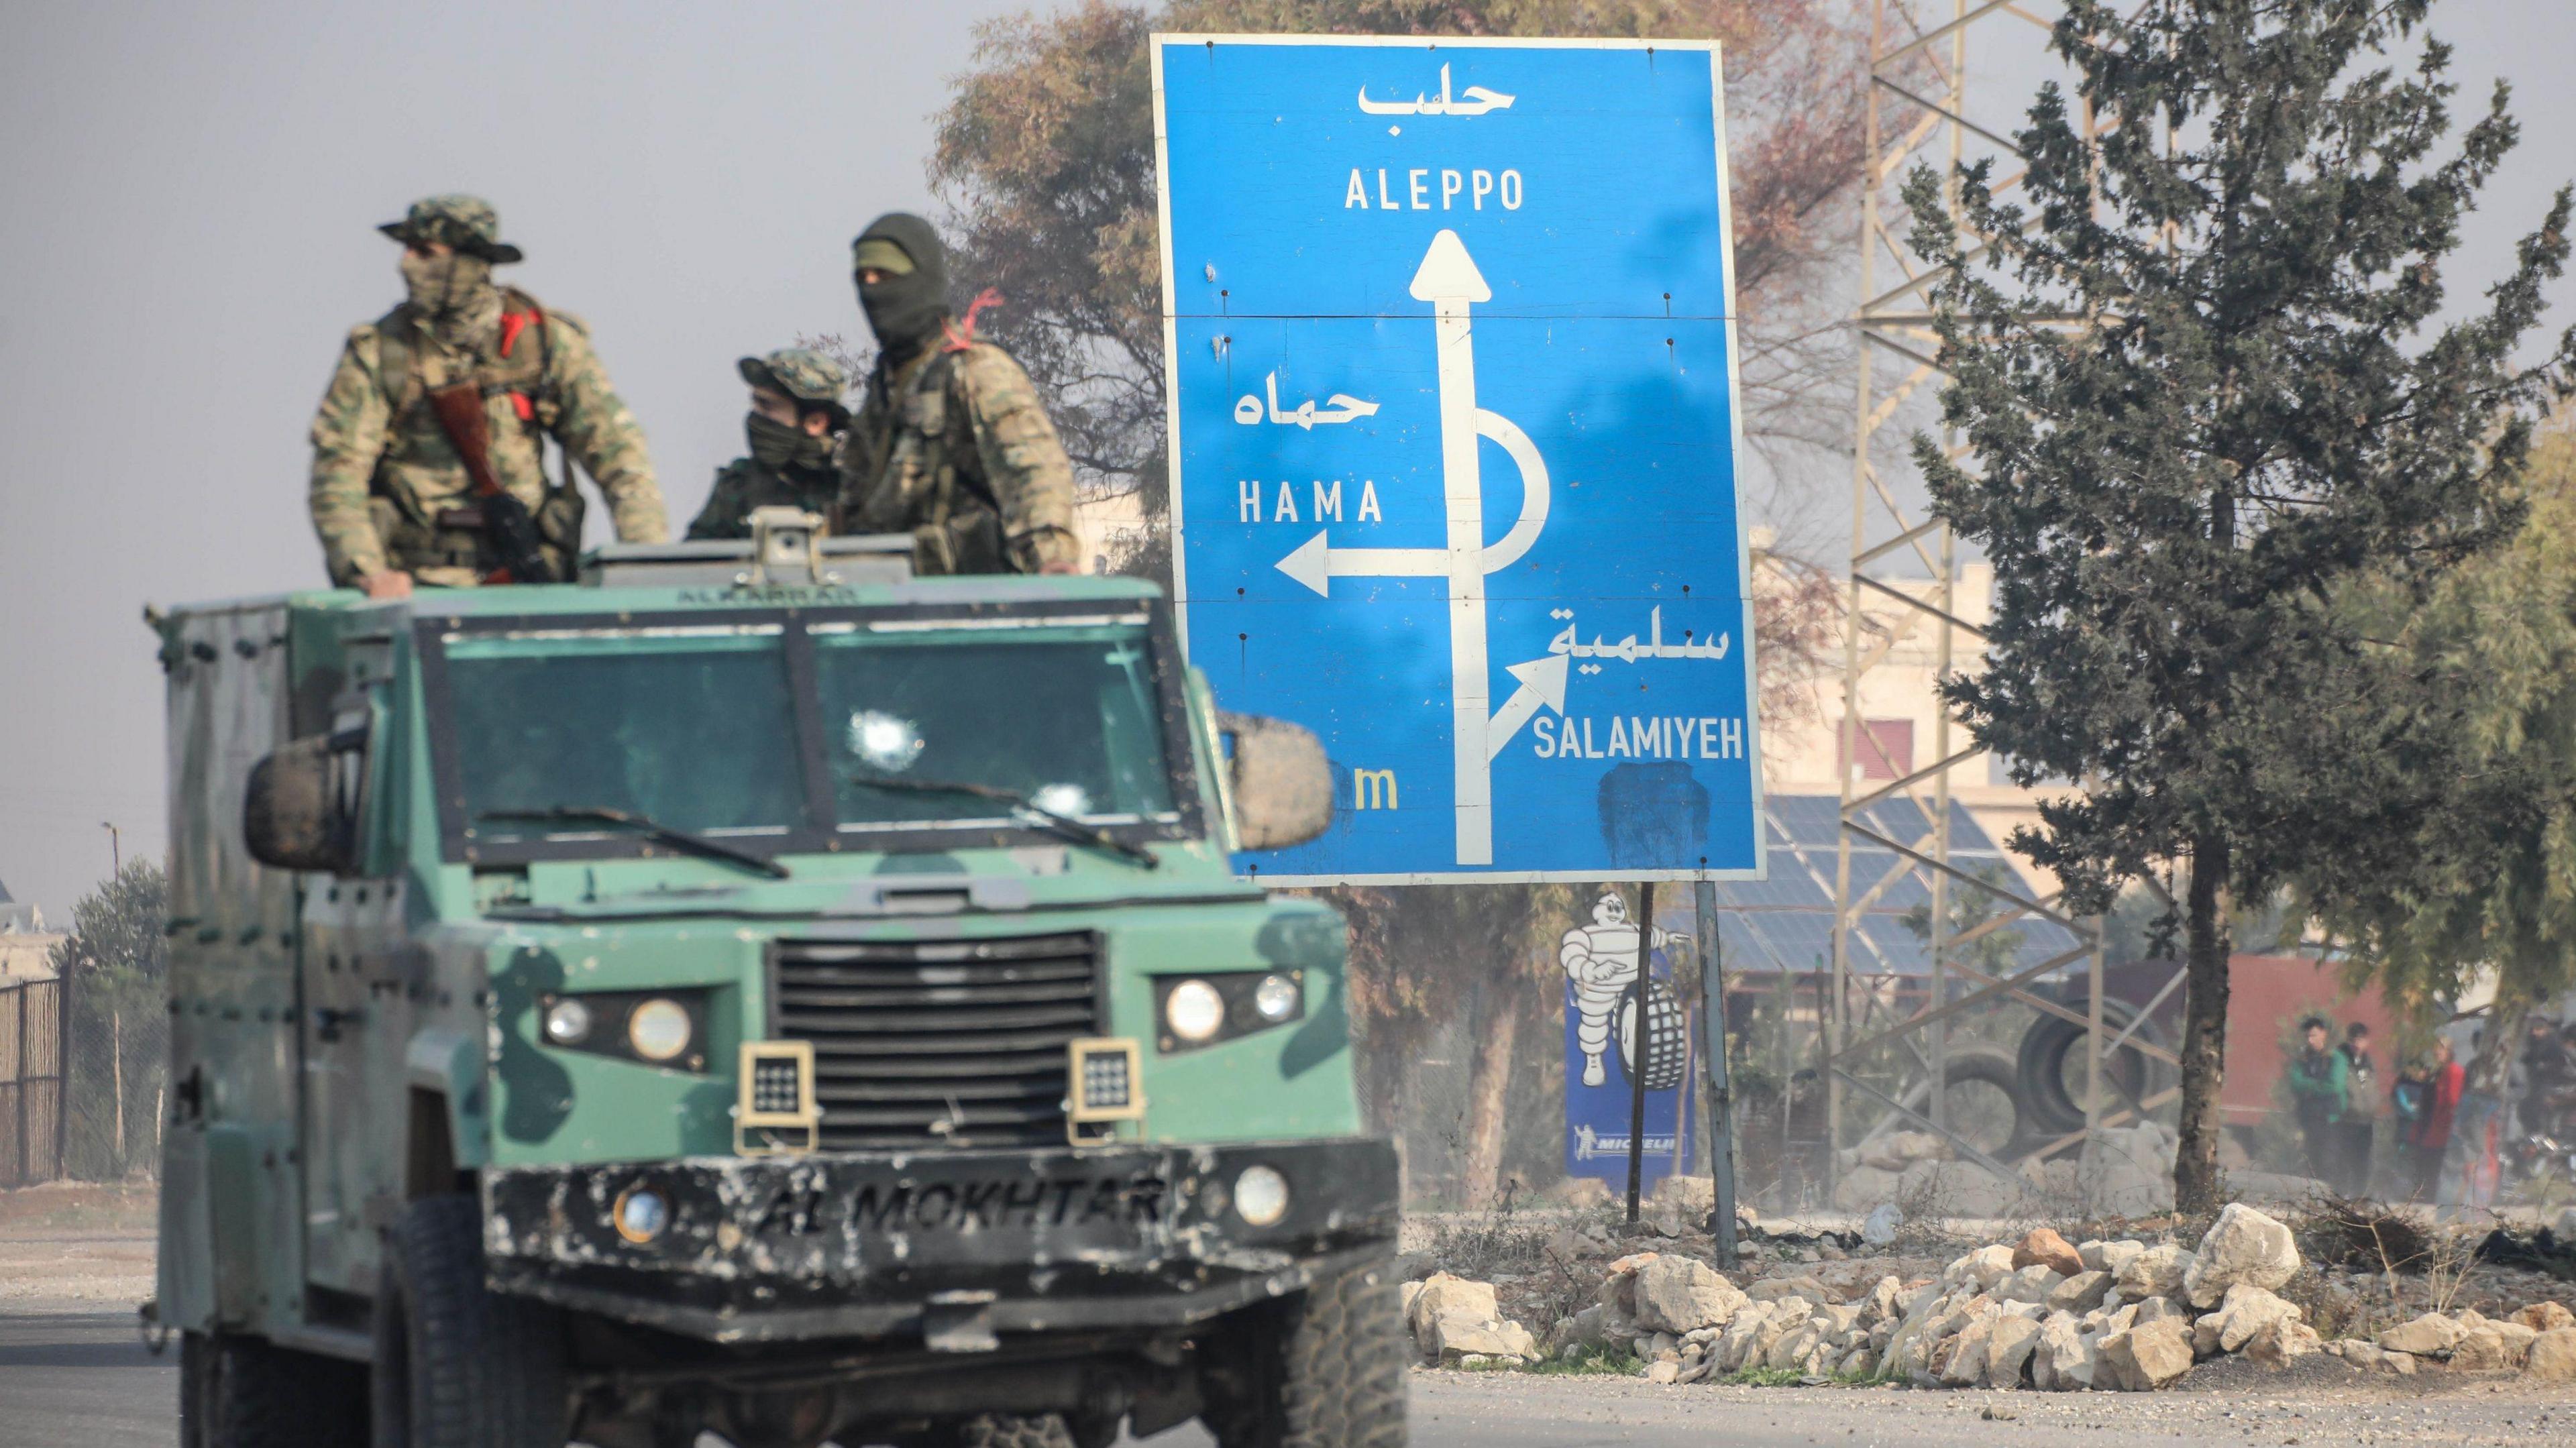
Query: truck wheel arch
446, 1133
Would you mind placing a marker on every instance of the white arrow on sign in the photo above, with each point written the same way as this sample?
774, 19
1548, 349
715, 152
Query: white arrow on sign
1449, 281
1542, 682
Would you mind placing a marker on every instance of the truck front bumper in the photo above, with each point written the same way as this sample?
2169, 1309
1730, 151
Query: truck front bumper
953, 1246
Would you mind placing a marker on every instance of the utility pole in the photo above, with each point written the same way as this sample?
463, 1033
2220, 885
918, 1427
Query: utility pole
115, 849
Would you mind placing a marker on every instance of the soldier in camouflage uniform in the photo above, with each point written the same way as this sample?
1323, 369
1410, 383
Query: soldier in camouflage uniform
391, 498
796, 412
951, 443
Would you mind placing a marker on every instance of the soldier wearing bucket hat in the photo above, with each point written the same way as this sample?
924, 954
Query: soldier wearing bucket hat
951, 443
462, 383
795, 418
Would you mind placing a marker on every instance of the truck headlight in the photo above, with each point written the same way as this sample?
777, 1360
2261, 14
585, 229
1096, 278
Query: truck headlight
1277, 998
1216, 1006
641, 1214
659, 1029
568, 1022
665, 1028
1194, 1011
1261, 1196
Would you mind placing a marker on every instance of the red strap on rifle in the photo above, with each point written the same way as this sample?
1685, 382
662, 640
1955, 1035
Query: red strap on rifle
962, 335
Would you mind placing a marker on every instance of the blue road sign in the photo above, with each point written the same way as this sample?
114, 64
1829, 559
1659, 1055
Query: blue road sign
1451, 368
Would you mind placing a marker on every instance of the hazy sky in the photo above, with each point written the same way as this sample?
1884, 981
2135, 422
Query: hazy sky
187, 200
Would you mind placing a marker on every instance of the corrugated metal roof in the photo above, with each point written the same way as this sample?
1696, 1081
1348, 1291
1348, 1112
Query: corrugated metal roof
1786, 923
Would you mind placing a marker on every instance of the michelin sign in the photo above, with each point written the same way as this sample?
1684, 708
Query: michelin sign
1451, 371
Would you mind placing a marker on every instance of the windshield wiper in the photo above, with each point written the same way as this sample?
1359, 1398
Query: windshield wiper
676, 838
1063, 827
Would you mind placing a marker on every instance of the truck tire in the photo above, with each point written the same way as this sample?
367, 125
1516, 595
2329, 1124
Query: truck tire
1322, 1369
457, 1364
244, 1392
2048, 1105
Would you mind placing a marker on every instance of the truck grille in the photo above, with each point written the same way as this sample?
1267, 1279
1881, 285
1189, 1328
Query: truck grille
939, 1043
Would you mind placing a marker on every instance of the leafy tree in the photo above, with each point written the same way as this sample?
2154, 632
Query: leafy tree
2493, 845
2256, 411
115, 962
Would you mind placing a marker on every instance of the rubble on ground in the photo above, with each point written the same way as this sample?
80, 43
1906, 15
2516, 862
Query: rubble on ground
2106, 1314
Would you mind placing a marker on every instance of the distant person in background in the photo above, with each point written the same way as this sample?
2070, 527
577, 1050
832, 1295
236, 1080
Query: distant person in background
2360, 1109
2317, 1095
2429, 1134
2546, 1072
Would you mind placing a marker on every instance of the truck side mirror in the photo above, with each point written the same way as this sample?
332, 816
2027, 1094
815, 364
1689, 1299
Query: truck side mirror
300, 811
1283, 789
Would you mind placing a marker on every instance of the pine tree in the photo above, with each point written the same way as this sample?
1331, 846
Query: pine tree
2203, 388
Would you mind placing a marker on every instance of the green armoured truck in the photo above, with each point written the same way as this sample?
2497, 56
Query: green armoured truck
752, 989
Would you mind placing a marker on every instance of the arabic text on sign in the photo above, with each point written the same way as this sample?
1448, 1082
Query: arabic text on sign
1628, 650
1340, 407
1476, 101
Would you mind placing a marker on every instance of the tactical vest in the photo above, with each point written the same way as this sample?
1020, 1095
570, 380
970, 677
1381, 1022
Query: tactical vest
956, 520
520, 372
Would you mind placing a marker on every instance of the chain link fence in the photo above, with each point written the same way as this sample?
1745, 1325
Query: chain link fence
116, 1053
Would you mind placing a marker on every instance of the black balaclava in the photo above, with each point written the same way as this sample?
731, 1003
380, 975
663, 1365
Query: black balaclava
905, 310
785, 449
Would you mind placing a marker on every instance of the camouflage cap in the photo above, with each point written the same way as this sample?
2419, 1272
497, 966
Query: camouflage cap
804, 374
467, 223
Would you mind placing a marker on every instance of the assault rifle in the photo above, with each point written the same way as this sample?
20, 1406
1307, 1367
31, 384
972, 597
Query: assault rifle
506, 520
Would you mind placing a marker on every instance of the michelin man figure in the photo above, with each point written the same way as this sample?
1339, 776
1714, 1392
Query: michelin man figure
1600, 959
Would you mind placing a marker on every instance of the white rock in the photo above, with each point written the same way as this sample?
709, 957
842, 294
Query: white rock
2145, 1357
1879, 1228
2242, 1246
1678, 1294
1663, 1372
2156, 1272
1444, 1295
2062, 1359
1737, 1344
2278, 1345
2080, 1293
1986, 1266
2008, 1350
2111, 1257
2246, 1311
2552, 1356
2430, 1335
1964, 1362
1791, 1349
2028, 1284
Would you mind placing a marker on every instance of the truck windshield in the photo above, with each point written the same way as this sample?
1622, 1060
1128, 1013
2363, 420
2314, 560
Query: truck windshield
690, 728
1067, 718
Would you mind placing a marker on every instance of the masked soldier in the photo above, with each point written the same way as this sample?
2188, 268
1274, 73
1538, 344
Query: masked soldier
395, 494
951, 444
796, 413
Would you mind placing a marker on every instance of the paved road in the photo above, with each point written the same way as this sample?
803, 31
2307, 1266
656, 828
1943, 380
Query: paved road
80, 1379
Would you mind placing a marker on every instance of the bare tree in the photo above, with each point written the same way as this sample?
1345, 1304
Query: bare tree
1045, 161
